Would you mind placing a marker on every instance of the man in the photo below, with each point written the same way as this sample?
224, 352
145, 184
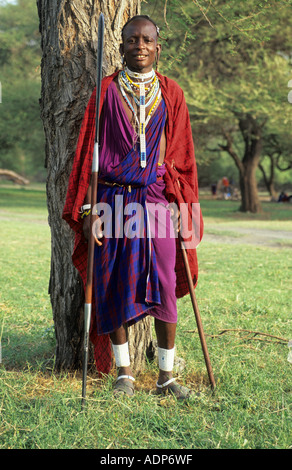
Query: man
147, 158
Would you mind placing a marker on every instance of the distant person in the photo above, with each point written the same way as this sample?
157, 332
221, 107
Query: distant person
226, 188
225, 181
283, 197
213, 189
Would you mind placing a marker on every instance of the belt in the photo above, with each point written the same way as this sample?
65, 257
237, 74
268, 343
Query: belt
127, 186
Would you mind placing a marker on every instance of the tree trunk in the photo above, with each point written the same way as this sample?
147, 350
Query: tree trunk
252, 136
248, 187
269, 179
69, 39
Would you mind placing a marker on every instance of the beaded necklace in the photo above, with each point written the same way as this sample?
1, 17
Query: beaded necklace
140, 76
143, 100
130, 87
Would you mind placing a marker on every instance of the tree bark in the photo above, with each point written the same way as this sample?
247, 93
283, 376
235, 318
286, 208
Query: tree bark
69, 38
248, 187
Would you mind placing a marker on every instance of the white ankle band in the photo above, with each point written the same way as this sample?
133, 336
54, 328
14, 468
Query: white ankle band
125, 377
166, 359
121, 353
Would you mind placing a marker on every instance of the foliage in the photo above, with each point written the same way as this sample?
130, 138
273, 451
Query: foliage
228, 56
21, 133
232, 59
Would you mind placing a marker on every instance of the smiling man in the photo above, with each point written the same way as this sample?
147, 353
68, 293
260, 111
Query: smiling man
146, 158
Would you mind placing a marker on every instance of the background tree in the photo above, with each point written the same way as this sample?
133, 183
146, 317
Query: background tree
233, 64
277, 151
21, 133
69, 39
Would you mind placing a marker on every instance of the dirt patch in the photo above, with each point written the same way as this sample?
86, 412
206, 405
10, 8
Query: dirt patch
247, 235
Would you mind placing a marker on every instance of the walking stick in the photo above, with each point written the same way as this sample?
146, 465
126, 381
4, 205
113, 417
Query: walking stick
94, 183
197, 313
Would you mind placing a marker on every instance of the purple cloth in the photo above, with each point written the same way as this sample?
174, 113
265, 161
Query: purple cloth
117, 134
164, 243
122, 264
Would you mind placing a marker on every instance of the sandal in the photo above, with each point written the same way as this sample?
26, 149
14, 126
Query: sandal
125, 387
178, 391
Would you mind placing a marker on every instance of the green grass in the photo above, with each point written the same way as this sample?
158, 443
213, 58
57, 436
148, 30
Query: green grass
228, 212
241, 287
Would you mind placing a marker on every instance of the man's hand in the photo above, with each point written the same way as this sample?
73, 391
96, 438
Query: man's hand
96, 227
175, 217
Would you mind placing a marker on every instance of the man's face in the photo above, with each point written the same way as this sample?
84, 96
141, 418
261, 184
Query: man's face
140, 45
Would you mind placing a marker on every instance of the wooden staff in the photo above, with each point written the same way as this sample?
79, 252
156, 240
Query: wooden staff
197, 313
94, 184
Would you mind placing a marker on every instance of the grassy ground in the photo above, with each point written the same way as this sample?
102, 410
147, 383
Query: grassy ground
244, 295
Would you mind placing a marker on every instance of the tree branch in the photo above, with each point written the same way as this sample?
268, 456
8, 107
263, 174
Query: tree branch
278, 164
239, 330
12, 176
229, 148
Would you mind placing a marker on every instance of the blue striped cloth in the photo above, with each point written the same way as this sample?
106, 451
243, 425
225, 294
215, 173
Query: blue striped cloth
126, 281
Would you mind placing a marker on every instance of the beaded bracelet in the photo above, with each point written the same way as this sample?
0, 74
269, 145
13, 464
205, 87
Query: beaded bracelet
85, 213
85, 210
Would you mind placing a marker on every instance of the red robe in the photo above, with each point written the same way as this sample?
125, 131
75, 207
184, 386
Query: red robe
180, 181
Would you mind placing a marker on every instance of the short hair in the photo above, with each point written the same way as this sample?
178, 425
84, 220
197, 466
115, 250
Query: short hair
140, 17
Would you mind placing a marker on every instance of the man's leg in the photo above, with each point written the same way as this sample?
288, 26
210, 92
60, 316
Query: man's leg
119, 339
165, 333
